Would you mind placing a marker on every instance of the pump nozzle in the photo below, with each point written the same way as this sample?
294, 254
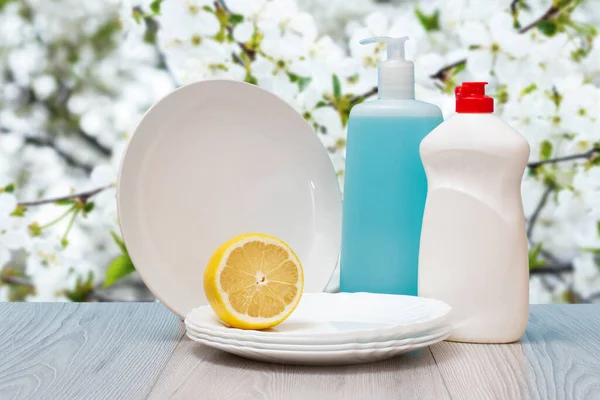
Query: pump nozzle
395, 46
396, 74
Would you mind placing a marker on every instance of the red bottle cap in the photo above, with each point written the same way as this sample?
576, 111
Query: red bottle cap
471, 98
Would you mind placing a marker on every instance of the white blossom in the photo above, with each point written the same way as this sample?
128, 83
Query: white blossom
98, 59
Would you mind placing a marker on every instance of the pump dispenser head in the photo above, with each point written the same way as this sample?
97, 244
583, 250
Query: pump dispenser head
396, 74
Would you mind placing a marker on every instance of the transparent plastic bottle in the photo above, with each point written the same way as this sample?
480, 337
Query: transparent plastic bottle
385, 184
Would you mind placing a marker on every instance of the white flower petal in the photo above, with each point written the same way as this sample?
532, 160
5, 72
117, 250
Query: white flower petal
103, 175
8, 203
243, 32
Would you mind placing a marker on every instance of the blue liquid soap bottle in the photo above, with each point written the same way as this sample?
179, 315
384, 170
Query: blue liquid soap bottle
385, 185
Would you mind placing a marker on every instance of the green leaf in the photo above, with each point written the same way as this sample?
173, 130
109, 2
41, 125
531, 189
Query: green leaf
34, 229
82, 289
595, 251
545, 150
220, 36
548, 28
3, 3
17, 291
353, 79
10, 188
104, 39
137, 15
533, 171
502, 94
459, 68
579, 54
235, 19
151, 30
321, 104
343, 105
67, 202
337, 86
119, 241
222, 16
301, 81
250, 78
529, 89
155, 7
19, 211
89, 206
533, 257
594, 161
340, 144
119, 268
556, 97
429, 22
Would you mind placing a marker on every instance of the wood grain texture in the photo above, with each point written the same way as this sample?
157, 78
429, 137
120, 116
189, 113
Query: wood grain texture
196, 371
558, 358
135, 351
83, 351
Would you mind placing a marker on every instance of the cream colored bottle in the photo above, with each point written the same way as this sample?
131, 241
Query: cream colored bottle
473, 250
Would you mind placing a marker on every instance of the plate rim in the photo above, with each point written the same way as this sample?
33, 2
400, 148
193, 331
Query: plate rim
433, 334
363, 335
340, 357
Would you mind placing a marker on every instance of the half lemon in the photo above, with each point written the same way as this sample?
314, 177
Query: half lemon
253, 281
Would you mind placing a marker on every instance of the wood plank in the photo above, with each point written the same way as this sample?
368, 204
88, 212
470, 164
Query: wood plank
558, 358
473, 371
84, 351
196, 371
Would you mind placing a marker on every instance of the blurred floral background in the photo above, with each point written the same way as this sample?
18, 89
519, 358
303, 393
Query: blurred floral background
76, 76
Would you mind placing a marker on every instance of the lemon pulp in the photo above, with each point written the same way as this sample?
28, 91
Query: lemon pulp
253, 281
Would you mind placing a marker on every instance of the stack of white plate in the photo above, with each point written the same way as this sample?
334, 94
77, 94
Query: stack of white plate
332, 329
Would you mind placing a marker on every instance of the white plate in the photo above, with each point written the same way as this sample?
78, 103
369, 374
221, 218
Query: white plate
216, 159
341, 357
336, 318
443, 331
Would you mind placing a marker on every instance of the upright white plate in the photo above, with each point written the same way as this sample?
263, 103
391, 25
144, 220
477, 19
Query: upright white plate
216, 159
336, 318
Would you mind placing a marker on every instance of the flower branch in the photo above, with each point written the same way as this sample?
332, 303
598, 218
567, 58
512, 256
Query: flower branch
538, 209
445, 72
11, 279
152, 26
552, 12
39, 141
552, 269
94, 143
364, 96
580, 156
82, 197
221, 7
95, 293
57, 106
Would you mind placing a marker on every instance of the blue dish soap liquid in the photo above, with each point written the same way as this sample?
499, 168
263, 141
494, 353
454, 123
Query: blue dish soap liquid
385, 186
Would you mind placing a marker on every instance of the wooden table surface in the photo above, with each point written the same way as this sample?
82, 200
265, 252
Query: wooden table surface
139, 351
